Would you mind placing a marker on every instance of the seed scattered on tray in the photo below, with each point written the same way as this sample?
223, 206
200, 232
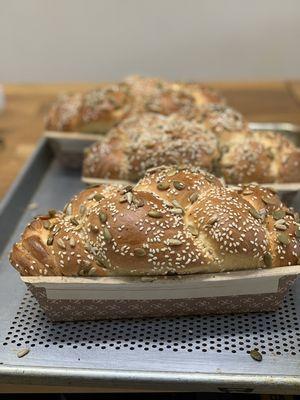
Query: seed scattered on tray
255, 354
22, 353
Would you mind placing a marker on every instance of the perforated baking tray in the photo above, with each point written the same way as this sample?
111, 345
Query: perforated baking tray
208, 353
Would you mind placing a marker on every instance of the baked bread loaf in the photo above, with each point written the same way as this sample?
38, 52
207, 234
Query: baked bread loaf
166, 97
150, 140
174, 221
94, 111
210, 137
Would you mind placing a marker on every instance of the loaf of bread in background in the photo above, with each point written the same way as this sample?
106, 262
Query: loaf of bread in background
176, 220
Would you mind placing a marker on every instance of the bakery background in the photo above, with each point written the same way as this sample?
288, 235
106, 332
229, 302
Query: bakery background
44, 41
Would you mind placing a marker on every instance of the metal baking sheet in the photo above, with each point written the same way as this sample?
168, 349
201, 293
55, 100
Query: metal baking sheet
208, 353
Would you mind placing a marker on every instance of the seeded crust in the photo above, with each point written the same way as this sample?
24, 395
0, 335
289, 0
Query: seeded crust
166, 97
174, 221
150, 140
263, 157
96, 111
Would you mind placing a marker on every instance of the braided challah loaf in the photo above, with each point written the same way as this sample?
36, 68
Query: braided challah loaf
100, 109
210, 137
94, 111
174, 221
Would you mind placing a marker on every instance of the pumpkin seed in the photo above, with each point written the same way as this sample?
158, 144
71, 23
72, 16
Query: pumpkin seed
163, 186
98, 197
139, 252
271, 201
46, 224
155, 214
193, 230
52, 212
268, 259
254, 213
174, 242
283, 238
102, 217
50, 240
107, 234
178, 185
255, 354
68, 209
279, 214
92, 271
194, 197
61, 243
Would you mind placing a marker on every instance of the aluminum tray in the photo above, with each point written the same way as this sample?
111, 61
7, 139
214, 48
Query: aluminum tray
208, 353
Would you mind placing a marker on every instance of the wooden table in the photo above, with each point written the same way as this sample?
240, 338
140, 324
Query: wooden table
21, 124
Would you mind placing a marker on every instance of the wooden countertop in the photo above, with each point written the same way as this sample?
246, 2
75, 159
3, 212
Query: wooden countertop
21, 123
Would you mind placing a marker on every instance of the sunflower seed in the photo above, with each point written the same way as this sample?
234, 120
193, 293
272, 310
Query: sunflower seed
102, 216
172, 172
82, 210
122, 199
209, 178
255, 354
139, 252
22, 353
280, 227
46, 224
174, 242
163, 186
74, 221
107, 234
194, 197
72, 242
68, 209
92, 271
193, 230
82, 272
271, 201
61, 243
212, 220
297, 232
52, 212
50, 240
129, 197
127, 188
98, 197
94, 228
101, 262
178, 185
283, 238
268, 259
177, 211
254, 213
176, 204
138, 202
278, 214
91, 196
155, 214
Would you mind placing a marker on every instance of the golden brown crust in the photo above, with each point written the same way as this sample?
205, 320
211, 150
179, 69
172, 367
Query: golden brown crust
262, 157
94, 111
148, 141
174, 221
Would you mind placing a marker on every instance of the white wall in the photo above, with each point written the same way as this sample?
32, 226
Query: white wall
61, 40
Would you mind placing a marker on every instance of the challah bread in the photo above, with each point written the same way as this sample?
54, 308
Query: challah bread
263, 157
174, 221
210, 137
150, 140
167, 97
94, 111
